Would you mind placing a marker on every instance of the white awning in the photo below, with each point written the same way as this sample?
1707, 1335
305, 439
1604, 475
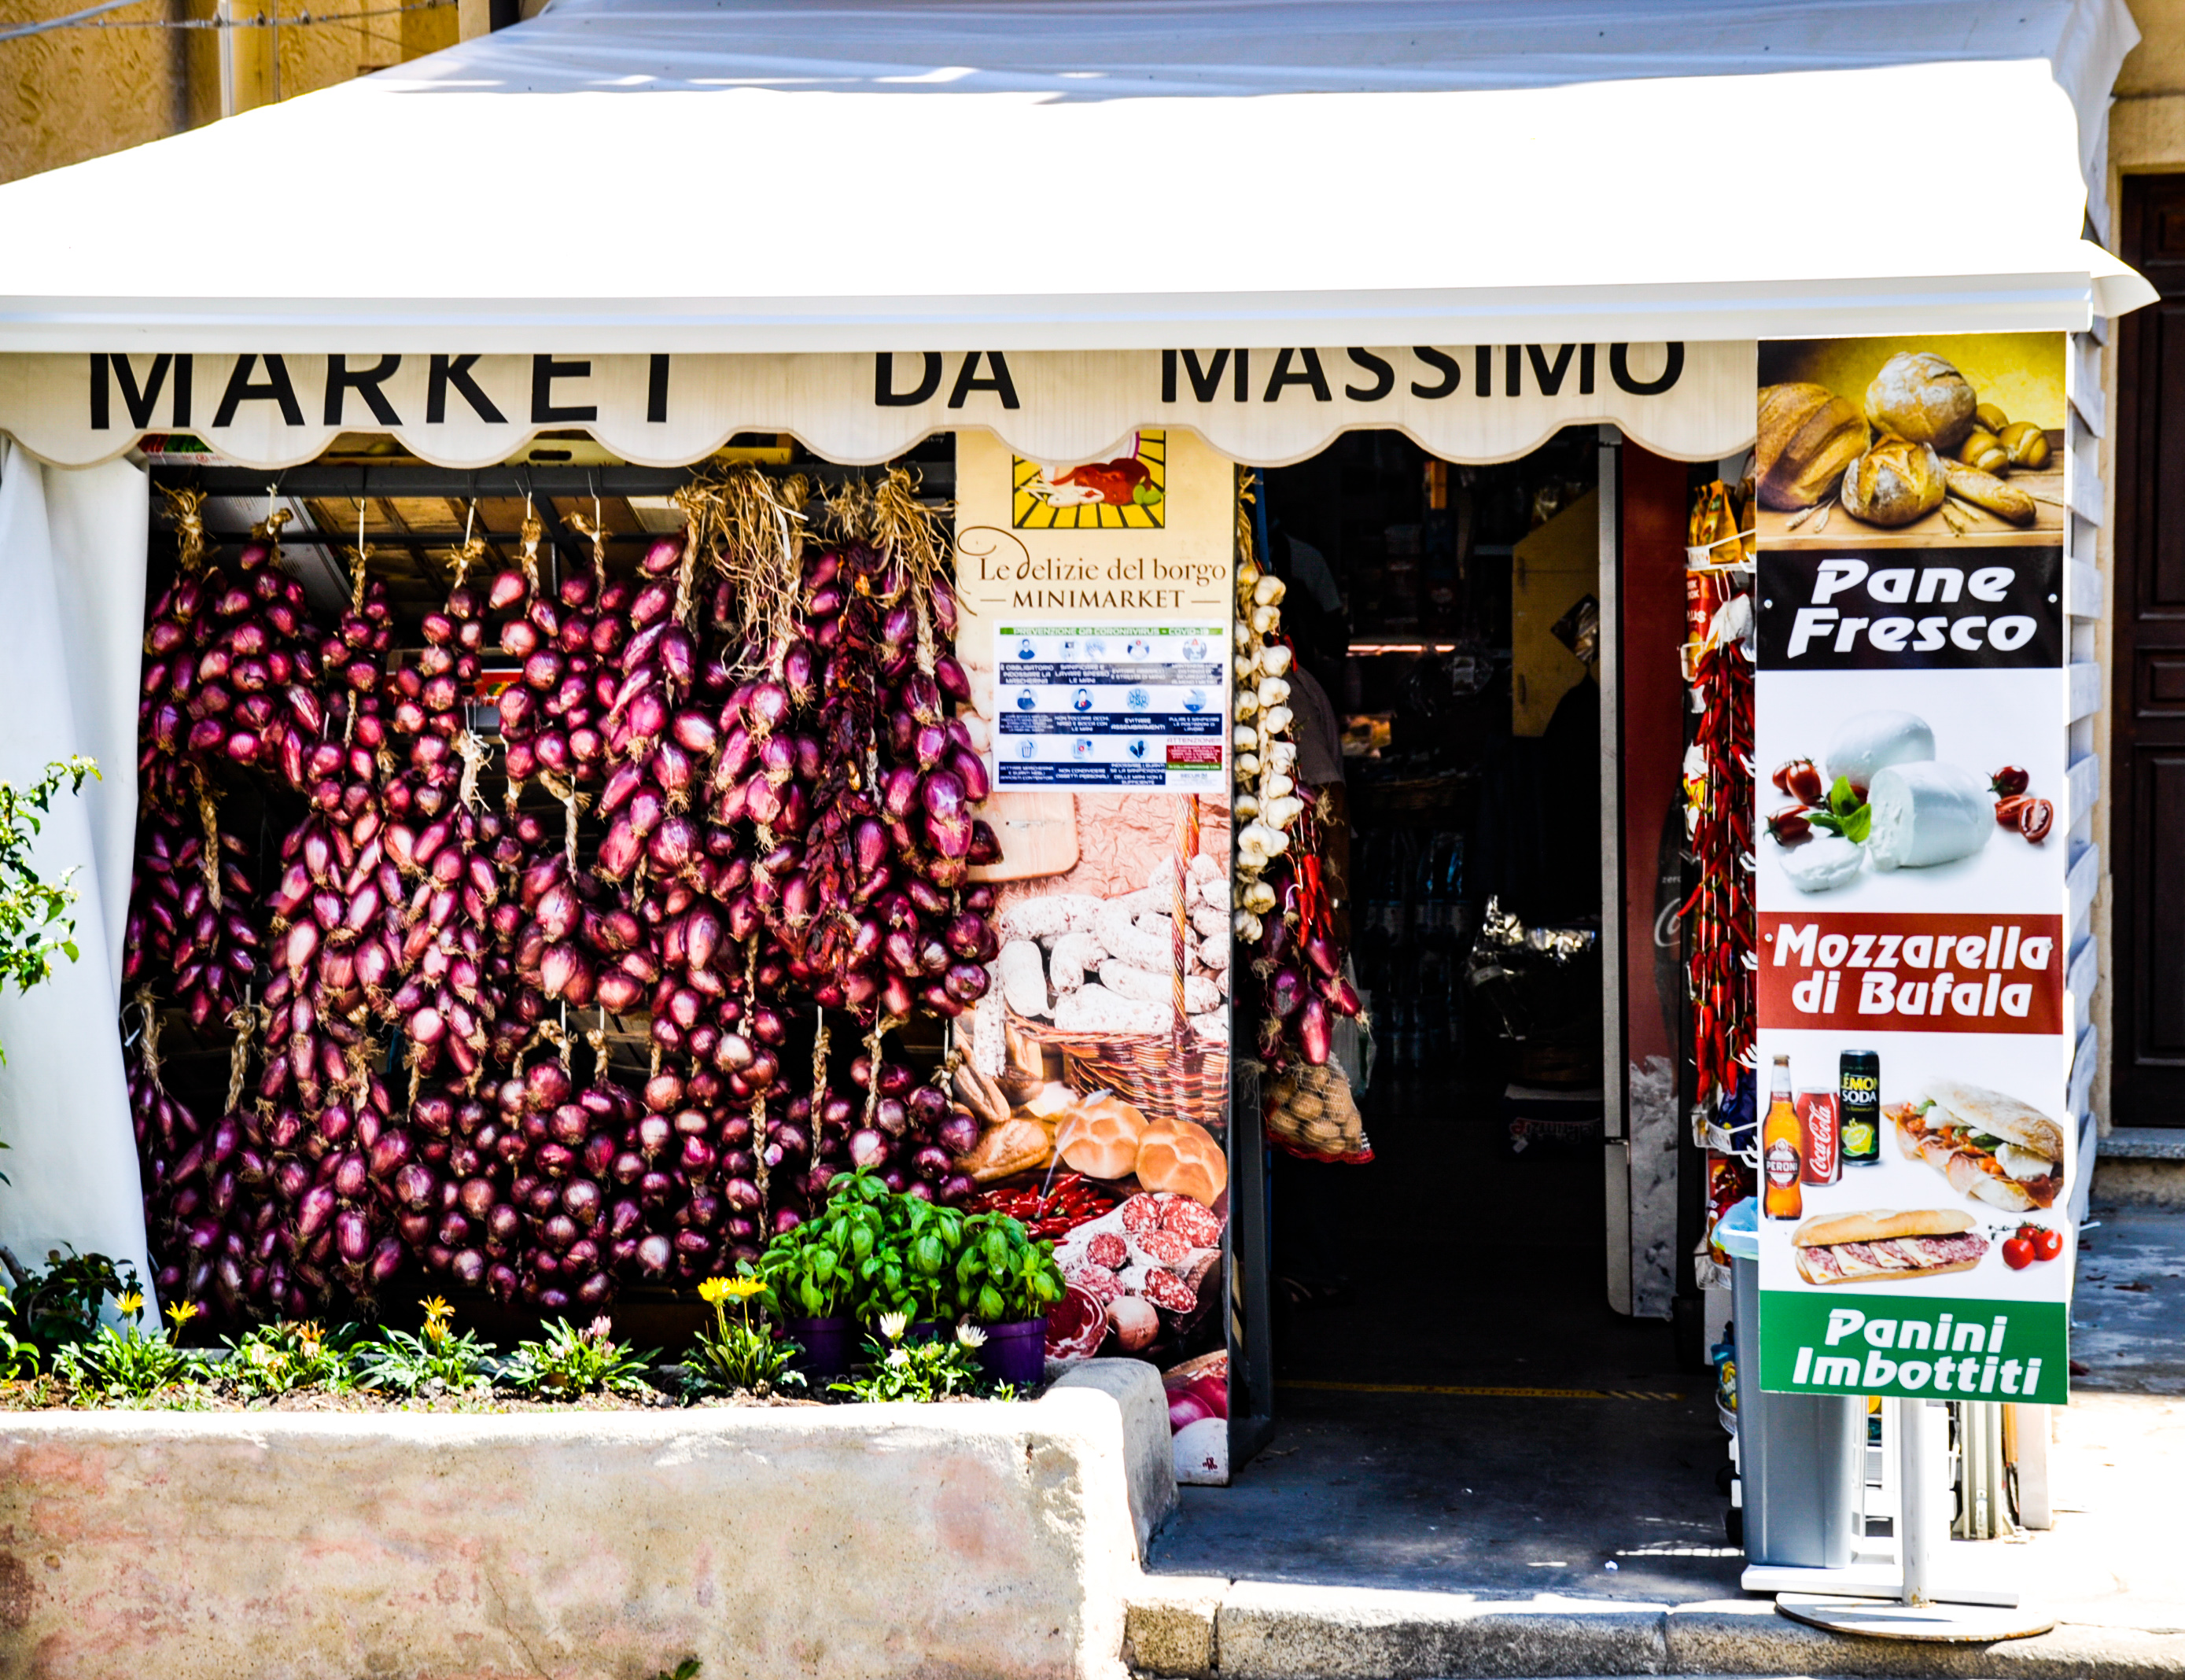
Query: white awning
725, 175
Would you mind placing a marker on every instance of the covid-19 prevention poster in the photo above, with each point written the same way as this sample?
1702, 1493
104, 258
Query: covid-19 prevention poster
1911, 851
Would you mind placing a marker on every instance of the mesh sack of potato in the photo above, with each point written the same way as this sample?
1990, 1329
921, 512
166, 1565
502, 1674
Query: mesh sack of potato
1311, 1113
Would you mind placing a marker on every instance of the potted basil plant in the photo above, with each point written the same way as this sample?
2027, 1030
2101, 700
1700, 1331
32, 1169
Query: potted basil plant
1006, 1282
820, 1273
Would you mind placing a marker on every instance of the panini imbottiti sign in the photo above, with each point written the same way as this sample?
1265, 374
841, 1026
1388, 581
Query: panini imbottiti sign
1917, 1154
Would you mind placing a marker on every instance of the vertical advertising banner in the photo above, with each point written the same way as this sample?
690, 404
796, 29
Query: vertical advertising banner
1910, 740
1095, 610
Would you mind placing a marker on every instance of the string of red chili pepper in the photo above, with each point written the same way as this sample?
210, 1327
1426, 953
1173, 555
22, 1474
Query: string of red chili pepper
1721, 921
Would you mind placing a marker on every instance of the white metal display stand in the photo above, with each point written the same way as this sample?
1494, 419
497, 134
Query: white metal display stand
1924, 1609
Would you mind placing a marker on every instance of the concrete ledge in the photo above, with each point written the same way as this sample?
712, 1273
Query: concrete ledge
844, 1542
1191, 1625
1150, 1464
1269, 1632
1746, 1636
2145, 1165
1169, 1625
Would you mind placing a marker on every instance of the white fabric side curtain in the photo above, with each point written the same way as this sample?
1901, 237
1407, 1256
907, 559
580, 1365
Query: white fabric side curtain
72, 558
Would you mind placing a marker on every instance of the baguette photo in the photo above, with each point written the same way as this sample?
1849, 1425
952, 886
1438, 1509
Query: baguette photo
1885, 1246
1992, 1147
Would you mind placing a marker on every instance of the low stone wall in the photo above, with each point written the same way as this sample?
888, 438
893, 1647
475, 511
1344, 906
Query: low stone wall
844, 1542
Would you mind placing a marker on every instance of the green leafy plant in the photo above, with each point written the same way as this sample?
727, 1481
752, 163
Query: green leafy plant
930, 1240
123, 1363
58, 1307
739, 1354
34, 926
685, 1669
567, 1362
812, 1269
1847, 814
18, 1358
925, 1371
1001, 1275
459, 1364
278, 1358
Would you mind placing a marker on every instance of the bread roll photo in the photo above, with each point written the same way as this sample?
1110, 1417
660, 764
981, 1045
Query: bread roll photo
1896, 481
1922, 398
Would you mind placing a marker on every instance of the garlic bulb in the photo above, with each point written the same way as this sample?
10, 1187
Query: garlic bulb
1282, 756
1245, 737
1247, 926
1275, 719
1247, 702
1260, 897
1268, 592
1248, 766
1274, 785
1246, 806
1274, 658
1284, 812
1273, 691
1265, 619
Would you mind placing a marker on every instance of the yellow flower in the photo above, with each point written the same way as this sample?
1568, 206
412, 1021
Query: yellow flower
437, 1310
130, 1303
181, 1312
713, 1290
892, 1324
742, 1288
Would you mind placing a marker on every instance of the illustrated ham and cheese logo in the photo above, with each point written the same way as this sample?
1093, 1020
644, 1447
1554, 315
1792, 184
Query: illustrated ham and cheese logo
1913, 973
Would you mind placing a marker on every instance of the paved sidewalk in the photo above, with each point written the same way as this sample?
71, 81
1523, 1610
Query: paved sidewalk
1301, 1571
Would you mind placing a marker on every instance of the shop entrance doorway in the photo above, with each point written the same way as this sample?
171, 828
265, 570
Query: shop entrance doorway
1460, 1391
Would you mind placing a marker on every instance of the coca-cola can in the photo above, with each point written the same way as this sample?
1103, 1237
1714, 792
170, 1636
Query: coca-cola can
1822, 1161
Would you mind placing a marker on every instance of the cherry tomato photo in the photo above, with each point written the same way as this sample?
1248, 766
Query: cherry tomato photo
2048, 1244
2018, 1252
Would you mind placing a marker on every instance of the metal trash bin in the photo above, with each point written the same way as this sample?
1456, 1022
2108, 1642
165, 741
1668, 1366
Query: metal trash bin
1801, 1457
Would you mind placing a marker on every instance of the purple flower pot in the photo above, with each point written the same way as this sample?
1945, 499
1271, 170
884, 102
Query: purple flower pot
830, 1345
1015, 1353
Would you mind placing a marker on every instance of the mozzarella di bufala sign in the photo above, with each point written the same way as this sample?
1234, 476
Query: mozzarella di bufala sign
1479, 402
1917, 1158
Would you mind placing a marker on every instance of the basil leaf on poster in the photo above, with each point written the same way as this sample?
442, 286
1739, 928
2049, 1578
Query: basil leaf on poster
1915, 938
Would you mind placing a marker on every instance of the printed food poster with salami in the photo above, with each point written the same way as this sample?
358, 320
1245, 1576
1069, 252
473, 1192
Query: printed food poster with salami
1098, 1062
1911, 849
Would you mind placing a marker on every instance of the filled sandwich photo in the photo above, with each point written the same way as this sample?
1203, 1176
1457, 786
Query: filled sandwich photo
1884, 1246
1992, 1147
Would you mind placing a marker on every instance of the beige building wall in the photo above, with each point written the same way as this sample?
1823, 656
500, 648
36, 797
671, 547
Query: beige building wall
2147, 136
71, 94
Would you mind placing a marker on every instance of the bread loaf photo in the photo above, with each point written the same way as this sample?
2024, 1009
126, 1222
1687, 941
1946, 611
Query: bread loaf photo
1920, 397
1985, 490
1896, 481
1807, 436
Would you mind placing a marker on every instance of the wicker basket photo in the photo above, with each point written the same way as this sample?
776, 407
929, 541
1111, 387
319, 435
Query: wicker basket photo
1160, 1074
